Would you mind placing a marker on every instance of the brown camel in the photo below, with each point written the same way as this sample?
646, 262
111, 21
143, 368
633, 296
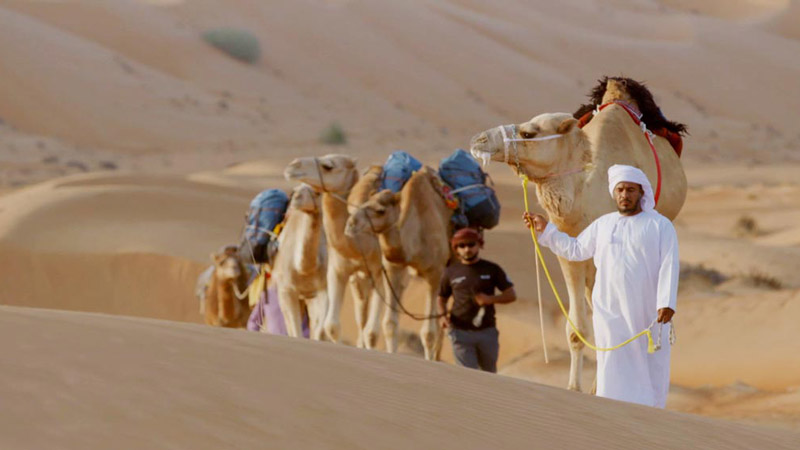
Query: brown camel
226, 303
569, 167
357, 260
413, 228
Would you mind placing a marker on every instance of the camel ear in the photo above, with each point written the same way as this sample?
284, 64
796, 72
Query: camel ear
384, 197
567, 125
350, 162
396, 198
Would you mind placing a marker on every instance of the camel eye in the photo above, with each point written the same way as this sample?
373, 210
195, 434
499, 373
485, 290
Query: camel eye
380, 212
527, 135
326, 167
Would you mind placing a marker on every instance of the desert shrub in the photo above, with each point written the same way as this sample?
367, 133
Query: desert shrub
700, 271
746, 226
333, 135
698, 277
763, 280
240, 44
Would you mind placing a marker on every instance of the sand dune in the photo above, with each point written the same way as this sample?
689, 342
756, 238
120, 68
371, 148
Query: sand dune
161, 385
182, 136
181, 95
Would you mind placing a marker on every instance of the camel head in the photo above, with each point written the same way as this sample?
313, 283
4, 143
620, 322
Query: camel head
329, 173
376, 215
227, 266
617, 90
304, 198
543, 146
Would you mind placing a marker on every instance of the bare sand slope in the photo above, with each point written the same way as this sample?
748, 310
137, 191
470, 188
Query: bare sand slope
81, 380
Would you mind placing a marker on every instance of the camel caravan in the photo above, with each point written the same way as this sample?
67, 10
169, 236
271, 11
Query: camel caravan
373, 229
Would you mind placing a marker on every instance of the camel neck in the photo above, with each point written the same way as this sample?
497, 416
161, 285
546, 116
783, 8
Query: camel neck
392, 245
558, 196
306, 260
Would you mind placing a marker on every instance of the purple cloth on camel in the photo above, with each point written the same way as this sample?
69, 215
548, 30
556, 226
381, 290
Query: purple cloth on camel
268, 308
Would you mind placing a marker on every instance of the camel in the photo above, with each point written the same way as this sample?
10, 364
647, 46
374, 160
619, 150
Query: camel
355, 259
299, 266
569, 167
226, 304
413, 229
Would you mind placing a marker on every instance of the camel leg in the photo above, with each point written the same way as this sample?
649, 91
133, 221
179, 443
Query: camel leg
575, 276
317, 307
398, 279
430, 334
377, 297
337, 280
291, 310
360, 287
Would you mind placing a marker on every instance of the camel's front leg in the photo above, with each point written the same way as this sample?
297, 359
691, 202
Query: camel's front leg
337, 280
361, 288
431, 334
317, 309
378, 295
290, 308
395, 282
575, 276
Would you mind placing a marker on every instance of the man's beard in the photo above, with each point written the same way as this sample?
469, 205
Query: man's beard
629, 210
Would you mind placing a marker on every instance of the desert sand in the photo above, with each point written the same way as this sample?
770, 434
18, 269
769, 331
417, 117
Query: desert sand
130, 148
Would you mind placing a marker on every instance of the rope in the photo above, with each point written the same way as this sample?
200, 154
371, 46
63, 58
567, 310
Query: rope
395, 297
651, 347
541, 316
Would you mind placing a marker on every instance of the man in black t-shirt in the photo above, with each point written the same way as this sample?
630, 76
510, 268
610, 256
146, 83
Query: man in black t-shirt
472, 282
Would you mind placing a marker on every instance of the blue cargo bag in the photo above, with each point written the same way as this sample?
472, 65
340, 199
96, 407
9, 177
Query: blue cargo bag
397, 170
478, 201
267, 210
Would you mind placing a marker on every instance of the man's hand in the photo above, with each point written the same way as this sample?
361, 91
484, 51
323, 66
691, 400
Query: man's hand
665, 315
537, 221
483, 299
444, 321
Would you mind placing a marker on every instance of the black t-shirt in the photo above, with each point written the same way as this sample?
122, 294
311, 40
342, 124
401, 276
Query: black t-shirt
462, 281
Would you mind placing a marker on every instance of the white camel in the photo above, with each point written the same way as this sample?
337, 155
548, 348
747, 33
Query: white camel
569, 168
300, 265
355, 259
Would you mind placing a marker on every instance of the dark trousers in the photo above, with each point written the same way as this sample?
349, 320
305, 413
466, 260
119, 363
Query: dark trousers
476, 349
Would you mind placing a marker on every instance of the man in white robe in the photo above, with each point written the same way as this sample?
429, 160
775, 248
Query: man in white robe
635, 251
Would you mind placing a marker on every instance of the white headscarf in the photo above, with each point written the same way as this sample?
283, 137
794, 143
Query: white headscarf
618, 173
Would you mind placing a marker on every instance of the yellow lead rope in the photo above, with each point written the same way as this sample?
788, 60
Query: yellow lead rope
647, 331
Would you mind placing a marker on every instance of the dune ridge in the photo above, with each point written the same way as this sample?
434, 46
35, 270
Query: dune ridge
151, 383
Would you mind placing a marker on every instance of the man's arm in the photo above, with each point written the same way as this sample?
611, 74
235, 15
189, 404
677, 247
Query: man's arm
444, 319
668, 272
506, 296
571, 248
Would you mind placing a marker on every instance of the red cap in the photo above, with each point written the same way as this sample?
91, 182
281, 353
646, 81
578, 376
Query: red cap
466, 235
